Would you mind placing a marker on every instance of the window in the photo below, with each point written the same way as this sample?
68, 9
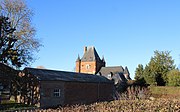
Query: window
57, 92
88, 66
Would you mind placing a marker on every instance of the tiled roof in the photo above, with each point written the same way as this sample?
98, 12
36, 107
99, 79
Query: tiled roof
78, 59
126, 71
108, 70
91, 55
45, 75
118, 77
105, 71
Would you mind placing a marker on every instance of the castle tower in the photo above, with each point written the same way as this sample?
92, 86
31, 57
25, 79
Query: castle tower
90, 62
78, 64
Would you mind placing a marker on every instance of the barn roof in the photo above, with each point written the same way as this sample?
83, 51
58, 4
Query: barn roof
6, 71
109, 70
52, 75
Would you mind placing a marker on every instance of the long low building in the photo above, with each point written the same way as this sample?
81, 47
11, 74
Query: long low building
66, 88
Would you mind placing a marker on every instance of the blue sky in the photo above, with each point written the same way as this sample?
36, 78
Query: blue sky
125, 32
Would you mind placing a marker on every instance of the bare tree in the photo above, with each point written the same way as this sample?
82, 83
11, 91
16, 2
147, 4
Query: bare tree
20, 16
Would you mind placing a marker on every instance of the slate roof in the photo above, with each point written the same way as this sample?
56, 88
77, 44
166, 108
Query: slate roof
126, 71
91, 55
108, 70
116, 70
78, 59
118, 77
52, 75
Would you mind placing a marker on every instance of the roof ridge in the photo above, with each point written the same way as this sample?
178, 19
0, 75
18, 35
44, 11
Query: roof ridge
45, 74
55, 70
112, 66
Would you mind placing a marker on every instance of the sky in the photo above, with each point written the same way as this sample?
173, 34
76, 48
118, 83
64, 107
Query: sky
125, 32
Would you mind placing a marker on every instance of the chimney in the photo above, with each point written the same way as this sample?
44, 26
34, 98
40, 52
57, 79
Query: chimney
85, 49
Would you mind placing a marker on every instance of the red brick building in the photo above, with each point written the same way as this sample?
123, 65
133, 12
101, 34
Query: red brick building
90, 62
66, 88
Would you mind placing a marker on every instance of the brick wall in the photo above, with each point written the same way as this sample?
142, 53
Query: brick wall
78, 66
84, 93
91, 69
74, 93
47, 98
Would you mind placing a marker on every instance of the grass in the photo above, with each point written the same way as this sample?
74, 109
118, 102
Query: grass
165, 92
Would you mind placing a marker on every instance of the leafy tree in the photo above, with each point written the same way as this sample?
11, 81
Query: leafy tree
173, 78
20, 16
156, 71
9, 53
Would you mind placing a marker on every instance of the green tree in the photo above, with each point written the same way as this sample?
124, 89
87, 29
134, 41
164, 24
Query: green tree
9, 53
149, 76
139, 72
20, 16
173, 78
156, 71
139, 75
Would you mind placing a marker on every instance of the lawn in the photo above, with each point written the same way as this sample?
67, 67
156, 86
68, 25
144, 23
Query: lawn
165, 92
12, 106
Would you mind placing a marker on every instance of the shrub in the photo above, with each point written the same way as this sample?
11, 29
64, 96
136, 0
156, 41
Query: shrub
173, 78
135, 92
159, 105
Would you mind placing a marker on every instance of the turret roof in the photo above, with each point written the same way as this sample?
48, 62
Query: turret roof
78, 59
91, 55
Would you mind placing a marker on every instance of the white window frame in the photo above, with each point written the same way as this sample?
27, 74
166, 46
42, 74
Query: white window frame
57, 92
88, 66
